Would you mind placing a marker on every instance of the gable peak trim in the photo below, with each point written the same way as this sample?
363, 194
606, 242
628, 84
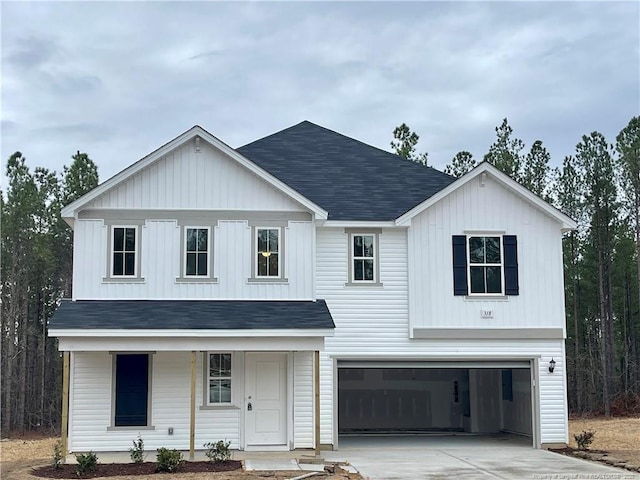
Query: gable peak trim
482, 170
70, 211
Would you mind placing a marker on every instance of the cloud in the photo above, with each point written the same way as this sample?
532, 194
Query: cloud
119, 79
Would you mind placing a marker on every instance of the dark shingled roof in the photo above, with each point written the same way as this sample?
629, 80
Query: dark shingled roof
191, 314
348, 178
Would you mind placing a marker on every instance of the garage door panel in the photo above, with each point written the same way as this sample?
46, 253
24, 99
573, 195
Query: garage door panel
363, 409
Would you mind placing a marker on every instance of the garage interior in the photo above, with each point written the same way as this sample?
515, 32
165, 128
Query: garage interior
449, 398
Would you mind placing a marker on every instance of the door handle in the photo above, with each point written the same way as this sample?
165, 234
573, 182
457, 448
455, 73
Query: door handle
249, 406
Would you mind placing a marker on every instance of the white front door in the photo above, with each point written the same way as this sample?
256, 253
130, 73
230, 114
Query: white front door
266, 399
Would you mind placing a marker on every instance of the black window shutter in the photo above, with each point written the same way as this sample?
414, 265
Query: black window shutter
510, 245
460, 265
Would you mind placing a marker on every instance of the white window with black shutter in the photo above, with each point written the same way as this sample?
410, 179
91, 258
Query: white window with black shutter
485, 265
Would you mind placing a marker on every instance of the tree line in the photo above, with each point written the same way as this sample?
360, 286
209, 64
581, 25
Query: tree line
36, 250
599, 187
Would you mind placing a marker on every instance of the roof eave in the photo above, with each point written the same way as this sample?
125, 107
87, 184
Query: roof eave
185, 333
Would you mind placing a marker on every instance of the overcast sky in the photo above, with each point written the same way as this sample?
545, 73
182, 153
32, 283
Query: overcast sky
117, 80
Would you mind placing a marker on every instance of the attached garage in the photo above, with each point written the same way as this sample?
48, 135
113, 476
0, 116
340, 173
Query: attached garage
435, 397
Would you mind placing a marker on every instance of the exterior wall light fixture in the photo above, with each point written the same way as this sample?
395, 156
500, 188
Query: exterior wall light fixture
552, 365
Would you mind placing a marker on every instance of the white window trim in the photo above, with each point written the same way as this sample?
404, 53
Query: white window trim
353, 258
208, 378
136, 251
501, 264
184, 252
279, 252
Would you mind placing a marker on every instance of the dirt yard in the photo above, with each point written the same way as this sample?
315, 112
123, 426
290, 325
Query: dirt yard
18, 457
618, 436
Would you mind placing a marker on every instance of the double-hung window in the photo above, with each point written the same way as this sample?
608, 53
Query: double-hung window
219, 379
267, 255
124, 242
197, 251
485, 264
363, 258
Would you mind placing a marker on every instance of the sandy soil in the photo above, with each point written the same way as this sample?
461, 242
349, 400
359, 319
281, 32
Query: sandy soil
618, 436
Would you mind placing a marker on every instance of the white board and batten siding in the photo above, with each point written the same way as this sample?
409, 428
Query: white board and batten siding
187, 182
161, 251
372, 322
186, 179
91, 409
489, 208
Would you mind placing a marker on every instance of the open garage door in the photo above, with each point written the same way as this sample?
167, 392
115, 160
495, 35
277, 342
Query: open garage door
428, 397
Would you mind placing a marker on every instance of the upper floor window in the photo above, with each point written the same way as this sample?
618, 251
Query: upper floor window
485, 264
197, 251
268, 253
124, 243
363, 255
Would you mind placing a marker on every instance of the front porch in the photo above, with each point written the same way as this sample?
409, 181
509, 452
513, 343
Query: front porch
255, 388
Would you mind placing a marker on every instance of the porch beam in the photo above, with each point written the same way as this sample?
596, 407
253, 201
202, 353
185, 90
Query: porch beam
65, 405
316, 390
192, 419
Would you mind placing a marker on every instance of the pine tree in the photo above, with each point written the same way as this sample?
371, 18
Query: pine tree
461, 163
505, 152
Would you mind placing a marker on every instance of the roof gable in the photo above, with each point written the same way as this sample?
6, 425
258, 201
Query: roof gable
199, 134
482, 169
348, 178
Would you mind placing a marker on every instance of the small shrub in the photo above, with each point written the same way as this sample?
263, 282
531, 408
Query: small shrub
137, 451
584, 439
87, 463
168, 460
58, 456
218, 452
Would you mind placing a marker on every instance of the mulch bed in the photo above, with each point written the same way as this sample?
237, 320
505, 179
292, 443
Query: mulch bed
121, 469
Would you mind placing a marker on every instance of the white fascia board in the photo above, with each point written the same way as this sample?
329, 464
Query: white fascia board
70, 211
182, 333
203, 344
361, 224
566, 222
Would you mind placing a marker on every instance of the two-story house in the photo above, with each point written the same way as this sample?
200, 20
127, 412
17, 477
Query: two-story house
305, 286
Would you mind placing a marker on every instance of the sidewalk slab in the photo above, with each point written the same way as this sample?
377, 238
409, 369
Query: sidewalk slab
277, 464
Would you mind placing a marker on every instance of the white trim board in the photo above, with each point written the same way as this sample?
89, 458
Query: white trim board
167, 344
186, 333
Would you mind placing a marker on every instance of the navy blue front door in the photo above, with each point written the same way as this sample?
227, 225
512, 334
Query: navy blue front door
132, 390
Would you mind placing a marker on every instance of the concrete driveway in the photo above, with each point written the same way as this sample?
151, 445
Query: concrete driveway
468, 457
